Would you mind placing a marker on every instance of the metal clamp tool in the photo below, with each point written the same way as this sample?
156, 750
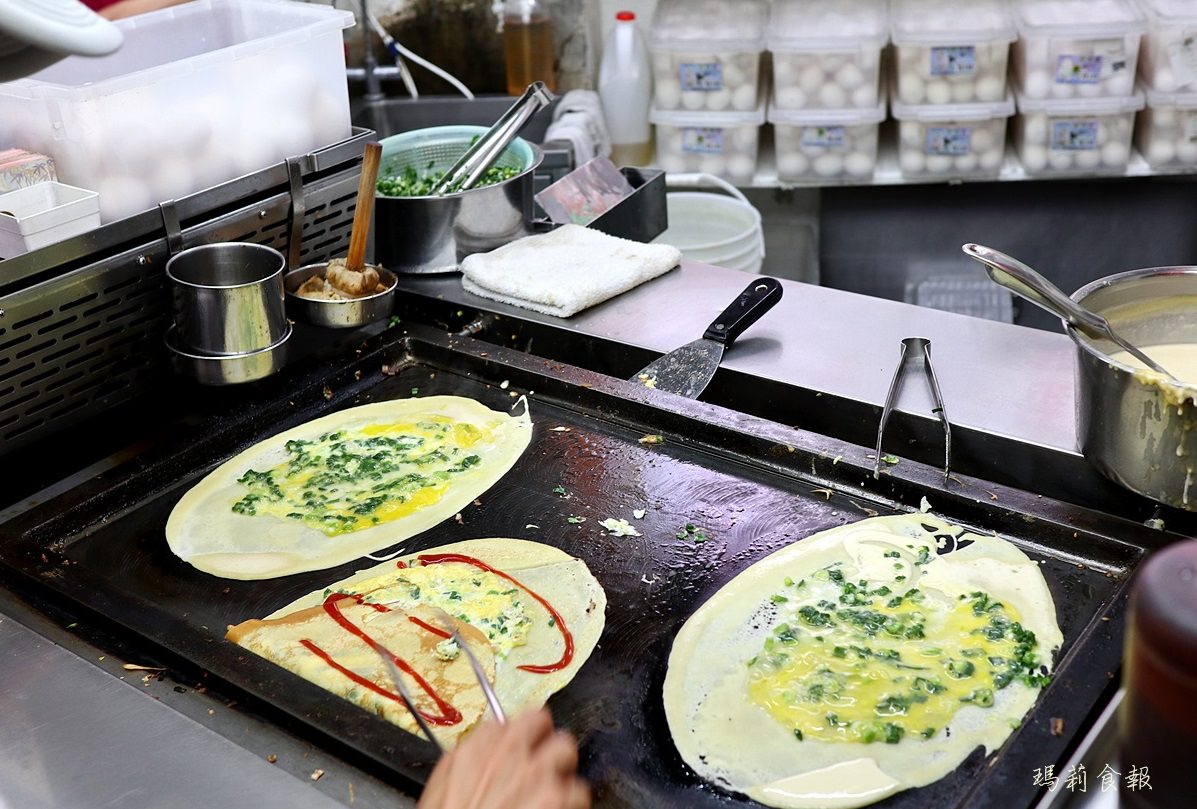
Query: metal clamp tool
405, 695
916, 354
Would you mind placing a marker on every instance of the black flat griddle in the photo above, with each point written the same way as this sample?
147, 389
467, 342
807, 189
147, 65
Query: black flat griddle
753, 485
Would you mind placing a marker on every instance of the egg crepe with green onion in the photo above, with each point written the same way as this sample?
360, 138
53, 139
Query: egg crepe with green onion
534, 615
860, 662
344, 485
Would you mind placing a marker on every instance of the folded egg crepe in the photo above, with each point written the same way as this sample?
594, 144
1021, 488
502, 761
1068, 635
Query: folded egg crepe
344, 485
532, 613
859, 662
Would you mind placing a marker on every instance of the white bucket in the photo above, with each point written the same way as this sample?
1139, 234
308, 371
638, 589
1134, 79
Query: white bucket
714, 228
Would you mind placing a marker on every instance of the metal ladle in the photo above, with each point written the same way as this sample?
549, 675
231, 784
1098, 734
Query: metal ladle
1020, 279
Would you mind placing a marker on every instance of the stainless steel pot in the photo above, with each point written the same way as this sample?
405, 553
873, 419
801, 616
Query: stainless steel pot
1135, 431
343, 314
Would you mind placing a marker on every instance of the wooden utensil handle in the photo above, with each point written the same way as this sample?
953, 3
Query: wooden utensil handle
364, 208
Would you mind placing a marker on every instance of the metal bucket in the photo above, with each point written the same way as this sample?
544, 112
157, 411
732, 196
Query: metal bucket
1138, 433
433, 234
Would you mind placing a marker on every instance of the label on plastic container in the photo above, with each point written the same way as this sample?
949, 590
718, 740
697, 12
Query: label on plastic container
958, 60
830, 136
1074, 69
1182, 54
700, 76
949, 140
1074, 136
702, 139
1190, 126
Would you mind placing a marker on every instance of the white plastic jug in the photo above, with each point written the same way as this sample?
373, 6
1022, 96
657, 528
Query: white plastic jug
626, 89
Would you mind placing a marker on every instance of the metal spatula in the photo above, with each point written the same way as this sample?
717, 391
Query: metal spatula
688, 370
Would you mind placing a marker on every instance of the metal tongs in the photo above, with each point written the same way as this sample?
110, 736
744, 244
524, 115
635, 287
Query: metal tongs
916, 354
491, 698
469, 168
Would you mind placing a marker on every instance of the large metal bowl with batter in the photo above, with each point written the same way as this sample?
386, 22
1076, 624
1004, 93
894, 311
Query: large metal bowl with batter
1138, 431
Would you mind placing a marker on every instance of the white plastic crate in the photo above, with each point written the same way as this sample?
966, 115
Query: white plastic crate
1166, 130
706, 55
826, 53
197, 95
1075, 136
720, 143
824, 146
952, 140
1077, 48
948, 52
1168, 56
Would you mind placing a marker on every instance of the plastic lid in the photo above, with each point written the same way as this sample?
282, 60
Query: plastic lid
1079, 19
1163, 617
1157, 99
827, 25
706, 118
1083, 106
625, 16
977, 111
853, 116
949, 22
1170, 12
709, 25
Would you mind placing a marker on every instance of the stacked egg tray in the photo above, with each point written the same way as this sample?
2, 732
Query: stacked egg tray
98, 551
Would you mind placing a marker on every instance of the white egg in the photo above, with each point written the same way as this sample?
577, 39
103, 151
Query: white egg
810, 79
790, 98
869, 59
121, 196
173, 179
833, 96
783, 72
667, 95
253, 151
911, 162
1059, 159
865, 95
910, 88
743, 138
833, 62
744, 97
850, 76
1087, 159
1161, 152
672, 136
1038, 84
990, 160
1062, 89
983, 139
1088, 90
939, 92
712, 164
1103, 132
963, 91
991, 88
1038, 51
828, 165
290, 86
694, 99
1034, 157
718, 99
1035, 128
292, 136
938, 164
1165, 80
858, 164
1121, 85
1186, 152
733, 77
672, 163
1163, 117
912, 134
746, 62
329, 118
966, 163
792, 165
741, 166
911, 58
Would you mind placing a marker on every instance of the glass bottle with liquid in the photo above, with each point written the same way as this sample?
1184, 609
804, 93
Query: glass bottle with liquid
528, 45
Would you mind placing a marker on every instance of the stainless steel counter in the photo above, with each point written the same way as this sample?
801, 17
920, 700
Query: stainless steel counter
77, 729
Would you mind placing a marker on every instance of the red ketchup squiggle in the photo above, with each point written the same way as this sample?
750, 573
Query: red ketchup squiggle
448, 714
429, 627
566, 657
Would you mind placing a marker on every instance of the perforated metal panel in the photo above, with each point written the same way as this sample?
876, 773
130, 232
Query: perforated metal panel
92, 338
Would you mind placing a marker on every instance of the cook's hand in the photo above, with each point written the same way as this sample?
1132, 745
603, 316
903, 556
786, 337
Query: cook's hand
524, 764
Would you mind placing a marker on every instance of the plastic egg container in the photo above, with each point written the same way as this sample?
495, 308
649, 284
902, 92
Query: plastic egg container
706, 55
1075, 136
951, 53
1166, 130
1077, 48
822, 146
826, 53
1168, 61
719, 143
952, 140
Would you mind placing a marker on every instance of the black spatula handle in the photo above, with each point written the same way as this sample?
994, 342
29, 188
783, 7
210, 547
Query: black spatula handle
756, 299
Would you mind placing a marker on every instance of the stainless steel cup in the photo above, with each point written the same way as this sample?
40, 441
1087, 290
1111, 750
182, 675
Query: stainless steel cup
228, 297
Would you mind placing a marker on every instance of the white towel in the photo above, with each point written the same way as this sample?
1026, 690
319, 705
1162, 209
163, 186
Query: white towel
566, 270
